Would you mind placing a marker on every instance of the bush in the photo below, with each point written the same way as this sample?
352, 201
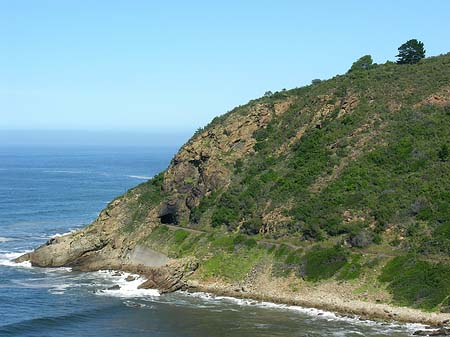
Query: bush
251, 226
294, 258
364, 63
180, 235
323, 263
443, 152
440, 241
360, 239
244, 241
224, 216
417, 283
352, 269
282, 251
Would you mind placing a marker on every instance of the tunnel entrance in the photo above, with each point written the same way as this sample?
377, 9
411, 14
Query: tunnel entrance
168, 214
168, 219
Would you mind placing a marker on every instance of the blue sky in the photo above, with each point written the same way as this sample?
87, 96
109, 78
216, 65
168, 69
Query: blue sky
149, 66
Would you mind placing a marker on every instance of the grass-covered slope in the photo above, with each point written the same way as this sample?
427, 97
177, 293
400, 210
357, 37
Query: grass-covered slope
346, 180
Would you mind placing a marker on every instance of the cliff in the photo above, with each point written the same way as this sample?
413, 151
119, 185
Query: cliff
339, 188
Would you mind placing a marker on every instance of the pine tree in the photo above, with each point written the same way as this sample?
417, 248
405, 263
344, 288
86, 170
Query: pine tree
411, 52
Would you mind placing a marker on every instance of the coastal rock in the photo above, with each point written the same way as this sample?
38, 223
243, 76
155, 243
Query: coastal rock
438, 332
203, 164
115, 287
171, 277
104, 244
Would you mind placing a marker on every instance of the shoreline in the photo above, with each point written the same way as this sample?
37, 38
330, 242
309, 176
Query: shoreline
332, 298
309, 298
342, 307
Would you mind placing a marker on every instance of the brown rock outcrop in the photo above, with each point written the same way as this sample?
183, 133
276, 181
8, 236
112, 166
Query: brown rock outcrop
171, 277
203, 164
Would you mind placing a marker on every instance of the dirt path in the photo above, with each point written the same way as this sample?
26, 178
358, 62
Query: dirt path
432, 259
190, 230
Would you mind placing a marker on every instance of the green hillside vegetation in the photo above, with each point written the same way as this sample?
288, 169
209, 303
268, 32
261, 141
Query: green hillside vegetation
356, 174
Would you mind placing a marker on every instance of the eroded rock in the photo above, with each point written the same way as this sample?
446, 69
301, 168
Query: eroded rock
114, 287
171, 277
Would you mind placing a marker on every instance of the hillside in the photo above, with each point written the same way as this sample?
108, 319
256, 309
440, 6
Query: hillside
340, 188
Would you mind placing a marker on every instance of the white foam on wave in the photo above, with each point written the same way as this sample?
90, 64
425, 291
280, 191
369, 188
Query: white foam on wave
64, 171
60, 280
60, 289
57, 270
57, 235
128, 289
133, 304
322, 314
7, 259
3, 239
57, 282
139, 177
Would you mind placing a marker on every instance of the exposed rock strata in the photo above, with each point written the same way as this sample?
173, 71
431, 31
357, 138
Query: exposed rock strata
203, 164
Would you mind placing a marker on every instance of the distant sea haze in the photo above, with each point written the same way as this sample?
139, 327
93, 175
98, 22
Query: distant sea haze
160, 139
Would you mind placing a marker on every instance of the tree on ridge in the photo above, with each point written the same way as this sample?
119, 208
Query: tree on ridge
411, 52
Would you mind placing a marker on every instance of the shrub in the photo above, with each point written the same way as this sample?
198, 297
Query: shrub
294, 258
360, 239
352, 269
244, 241
417, 283
443, 152
364, 63
323, 263
251, 226
224, 216
282, 251
180, 235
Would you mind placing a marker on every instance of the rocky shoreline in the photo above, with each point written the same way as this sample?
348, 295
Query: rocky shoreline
177, 276
329, 302
180, 274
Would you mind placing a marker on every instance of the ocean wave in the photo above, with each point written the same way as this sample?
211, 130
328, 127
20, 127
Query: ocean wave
30, 326
65, 171
7, 259
3, 239
312, 312
57, 235
132, 304
128, 289
139, 177
60, 289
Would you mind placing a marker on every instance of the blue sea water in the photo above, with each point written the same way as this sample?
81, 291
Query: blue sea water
45, 191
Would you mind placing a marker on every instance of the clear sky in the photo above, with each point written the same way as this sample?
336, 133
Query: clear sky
149, 66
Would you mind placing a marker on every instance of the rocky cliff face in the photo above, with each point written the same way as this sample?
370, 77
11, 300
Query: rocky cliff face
200, 167
94, 247
206, 162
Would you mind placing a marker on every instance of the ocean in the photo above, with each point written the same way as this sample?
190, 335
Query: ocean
47, 191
